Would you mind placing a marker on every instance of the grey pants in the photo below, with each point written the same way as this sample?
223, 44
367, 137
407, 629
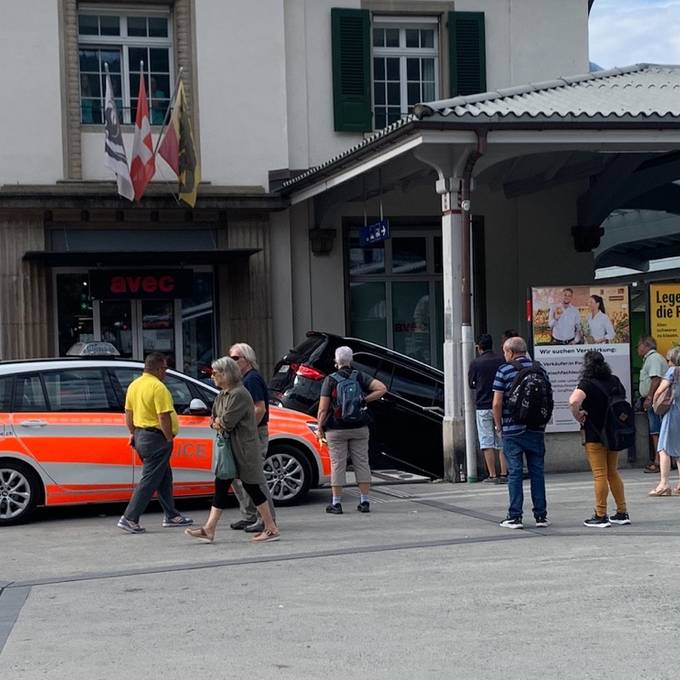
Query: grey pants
245, 502
154, 450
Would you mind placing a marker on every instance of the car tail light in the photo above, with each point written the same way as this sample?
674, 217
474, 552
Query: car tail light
294, 367
309, 372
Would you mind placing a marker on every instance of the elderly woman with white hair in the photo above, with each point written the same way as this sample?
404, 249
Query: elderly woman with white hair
234, 414
343, 420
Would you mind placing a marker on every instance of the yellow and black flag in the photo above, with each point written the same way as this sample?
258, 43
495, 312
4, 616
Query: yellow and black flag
179, 151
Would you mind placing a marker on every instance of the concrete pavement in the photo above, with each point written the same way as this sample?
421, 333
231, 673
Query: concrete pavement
426, 586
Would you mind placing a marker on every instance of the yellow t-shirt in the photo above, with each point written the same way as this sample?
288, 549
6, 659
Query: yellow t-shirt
146, 397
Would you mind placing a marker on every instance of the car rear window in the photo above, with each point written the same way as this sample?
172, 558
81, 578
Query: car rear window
80, 389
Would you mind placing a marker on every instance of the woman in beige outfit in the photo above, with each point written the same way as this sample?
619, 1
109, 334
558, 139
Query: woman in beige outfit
234, 414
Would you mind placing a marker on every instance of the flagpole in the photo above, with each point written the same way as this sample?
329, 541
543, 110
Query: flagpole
170, 107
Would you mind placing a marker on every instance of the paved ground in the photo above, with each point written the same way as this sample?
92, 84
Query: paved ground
426, 586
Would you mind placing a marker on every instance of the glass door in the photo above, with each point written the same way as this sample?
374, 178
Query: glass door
117, 323
157, 328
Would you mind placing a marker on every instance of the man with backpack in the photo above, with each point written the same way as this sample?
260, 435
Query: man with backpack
522, 406
343, 421
608, 424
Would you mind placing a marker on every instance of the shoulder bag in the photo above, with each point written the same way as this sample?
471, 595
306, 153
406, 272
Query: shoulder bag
225, 464
663, 399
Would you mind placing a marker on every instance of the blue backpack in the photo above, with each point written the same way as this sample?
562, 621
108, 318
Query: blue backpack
349, 400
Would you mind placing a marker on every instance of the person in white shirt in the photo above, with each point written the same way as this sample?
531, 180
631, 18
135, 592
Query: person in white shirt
565, 321
600, 325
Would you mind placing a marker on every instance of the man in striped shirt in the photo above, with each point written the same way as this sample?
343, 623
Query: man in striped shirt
518, 440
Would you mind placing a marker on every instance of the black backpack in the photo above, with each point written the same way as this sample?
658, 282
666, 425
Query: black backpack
618, 430
350, 406
530, 399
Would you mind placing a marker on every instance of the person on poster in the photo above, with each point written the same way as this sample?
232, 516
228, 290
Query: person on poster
565, 321
599, 324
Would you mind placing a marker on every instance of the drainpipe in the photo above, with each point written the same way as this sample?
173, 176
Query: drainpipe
467, 344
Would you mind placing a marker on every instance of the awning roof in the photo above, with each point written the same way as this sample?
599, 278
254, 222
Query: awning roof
82, 258
638, 97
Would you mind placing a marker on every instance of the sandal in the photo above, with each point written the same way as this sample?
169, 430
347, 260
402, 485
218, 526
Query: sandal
661, 492
266, 536
201, 534
651, 468
677, 489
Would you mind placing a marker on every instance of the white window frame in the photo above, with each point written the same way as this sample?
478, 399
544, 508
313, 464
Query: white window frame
402, 23
125, 42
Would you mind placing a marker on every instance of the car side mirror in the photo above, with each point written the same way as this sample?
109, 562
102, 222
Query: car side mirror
197, 407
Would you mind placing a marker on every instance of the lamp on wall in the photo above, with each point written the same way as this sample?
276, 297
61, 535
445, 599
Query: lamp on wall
321, 240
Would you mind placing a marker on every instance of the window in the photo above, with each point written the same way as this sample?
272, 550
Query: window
5, 394
82, 389
413, 386
181, 394
122, 40
29, 394
405, 67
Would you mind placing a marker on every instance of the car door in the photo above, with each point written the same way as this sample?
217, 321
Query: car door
409, 421
66, 420
192, 453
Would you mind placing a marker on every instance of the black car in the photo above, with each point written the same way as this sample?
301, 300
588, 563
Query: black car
406, 428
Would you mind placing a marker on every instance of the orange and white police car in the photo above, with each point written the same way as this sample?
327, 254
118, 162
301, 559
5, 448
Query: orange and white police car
63, 439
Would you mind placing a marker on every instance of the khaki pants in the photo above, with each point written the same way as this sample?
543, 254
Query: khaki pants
604, 464
352, 442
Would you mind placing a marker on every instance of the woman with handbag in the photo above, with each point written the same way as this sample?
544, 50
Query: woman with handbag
667, 404
237, 452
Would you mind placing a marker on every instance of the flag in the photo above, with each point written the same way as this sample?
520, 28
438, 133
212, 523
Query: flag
179, 151
114, 150
142, 163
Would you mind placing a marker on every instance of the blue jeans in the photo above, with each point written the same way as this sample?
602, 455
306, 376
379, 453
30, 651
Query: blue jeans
532, 445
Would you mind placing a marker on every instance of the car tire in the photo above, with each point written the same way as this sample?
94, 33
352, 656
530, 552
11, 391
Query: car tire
20, 492
288, 474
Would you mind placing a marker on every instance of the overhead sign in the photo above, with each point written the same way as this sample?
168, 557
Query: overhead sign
569, 321
374, 233
664, 314
143, 284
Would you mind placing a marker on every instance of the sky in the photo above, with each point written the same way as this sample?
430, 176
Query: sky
624, 32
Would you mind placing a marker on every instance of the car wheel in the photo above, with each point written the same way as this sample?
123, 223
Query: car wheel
20, 489
288, 474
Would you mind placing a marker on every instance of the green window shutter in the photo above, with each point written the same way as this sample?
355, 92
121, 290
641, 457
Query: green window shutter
351, 36
467, 53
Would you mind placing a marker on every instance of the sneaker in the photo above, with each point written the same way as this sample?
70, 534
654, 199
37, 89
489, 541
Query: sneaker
620, 518
364, 506
254, 528
597, 522
334, 509
131, 527
542, 521
241, 524
512, 523
178, 521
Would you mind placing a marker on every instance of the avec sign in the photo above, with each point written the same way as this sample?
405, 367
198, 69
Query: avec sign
140, 285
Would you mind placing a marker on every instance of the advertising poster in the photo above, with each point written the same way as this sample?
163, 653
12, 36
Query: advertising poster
567, 321
664, 315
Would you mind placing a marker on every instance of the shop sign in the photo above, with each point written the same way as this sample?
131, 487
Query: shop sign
569, 321
374, 233
142, 284
664, 315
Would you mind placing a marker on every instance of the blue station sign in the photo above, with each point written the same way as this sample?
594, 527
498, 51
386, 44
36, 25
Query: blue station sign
374, 233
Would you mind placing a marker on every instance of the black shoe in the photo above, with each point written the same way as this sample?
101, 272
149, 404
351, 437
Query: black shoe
502, 479
512, 523
597, 522
255, 528
241, 524
364, 506
542, 521
334, 509
620, 518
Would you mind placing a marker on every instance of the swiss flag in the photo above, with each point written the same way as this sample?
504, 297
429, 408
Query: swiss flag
142, 164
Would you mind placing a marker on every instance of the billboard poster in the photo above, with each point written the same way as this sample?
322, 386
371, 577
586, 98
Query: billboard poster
664, 315
567, 321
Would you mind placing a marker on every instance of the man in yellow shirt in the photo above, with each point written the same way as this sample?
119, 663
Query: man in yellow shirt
151, 419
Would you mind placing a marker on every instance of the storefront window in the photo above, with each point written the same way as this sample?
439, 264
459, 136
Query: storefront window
409, 255
366, 261
116, 325
368, 309
74, 311
411, 319
198, 328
